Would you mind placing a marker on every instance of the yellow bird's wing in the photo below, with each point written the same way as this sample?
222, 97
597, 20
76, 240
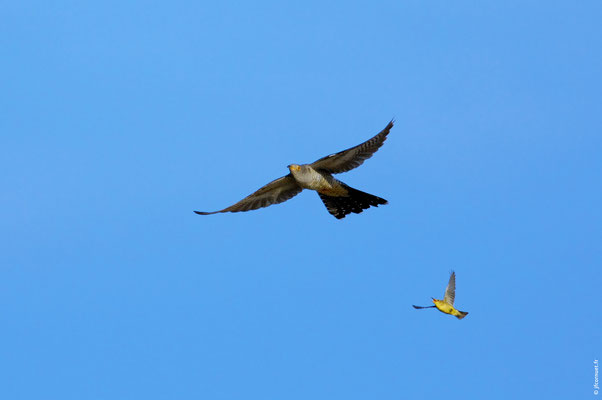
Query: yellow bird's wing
450, 291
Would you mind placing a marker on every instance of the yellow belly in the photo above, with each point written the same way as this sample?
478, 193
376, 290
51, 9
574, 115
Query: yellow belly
444, 307
448, 309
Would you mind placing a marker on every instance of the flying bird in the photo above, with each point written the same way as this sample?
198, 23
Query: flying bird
447, 304
338, 198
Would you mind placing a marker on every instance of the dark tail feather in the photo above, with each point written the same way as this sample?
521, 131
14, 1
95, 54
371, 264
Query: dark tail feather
356, 202
462, 314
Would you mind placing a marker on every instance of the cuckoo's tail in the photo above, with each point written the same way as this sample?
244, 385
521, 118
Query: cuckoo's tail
356, 201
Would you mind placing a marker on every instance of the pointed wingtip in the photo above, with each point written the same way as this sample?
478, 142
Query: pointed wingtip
202, 213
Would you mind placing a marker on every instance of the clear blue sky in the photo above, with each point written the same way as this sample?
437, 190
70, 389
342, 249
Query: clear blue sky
120, 119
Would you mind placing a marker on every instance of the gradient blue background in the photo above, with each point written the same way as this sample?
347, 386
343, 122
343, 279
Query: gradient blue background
119, 119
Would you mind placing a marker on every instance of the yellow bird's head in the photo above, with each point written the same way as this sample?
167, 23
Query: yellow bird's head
294, 167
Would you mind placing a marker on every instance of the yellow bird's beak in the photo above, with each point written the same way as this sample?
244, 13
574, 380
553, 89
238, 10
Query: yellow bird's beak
294, 167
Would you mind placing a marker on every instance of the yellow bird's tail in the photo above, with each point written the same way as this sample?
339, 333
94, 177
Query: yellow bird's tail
461, 314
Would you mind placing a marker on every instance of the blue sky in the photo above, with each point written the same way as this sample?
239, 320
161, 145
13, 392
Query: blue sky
119, 119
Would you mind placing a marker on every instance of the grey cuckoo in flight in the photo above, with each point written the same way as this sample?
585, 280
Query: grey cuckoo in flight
338, 198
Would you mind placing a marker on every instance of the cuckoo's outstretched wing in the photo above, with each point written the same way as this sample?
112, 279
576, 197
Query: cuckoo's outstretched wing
275, 192
450, 291
346, 160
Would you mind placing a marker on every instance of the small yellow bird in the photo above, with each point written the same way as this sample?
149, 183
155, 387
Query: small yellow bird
447, 304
